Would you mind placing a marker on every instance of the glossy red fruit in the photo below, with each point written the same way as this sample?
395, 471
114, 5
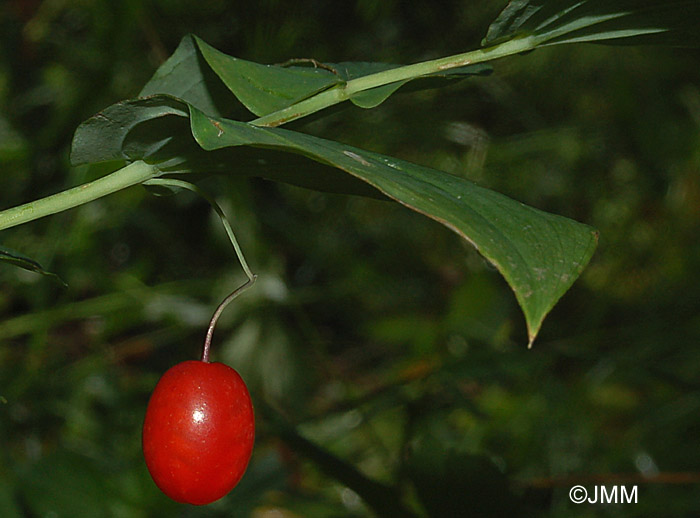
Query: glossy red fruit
199, 431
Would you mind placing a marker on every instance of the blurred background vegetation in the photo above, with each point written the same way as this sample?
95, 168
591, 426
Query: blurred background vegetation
374, 333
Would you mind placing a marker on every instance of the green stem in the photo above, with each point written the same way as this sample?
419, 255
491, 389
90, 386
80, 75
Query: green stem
132, 174
342, 93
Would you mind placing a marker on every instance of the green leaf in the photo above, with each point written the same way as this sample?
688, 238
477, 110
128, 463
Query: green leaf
539, 254
265, 89
187, 76
17, 259
122, 133
551, 22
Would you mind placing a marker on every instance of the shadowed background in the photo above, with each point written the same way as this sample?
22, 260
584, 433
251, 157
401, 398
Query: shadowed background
373, 332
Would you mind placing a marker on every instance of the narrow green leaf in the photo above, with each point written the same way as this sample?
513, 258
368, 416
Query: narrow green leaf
539, 254
17, 259
551, 22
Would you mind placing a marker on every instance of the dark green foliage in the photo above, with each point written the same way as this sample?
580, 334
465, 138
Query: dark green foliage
539, 254
629, 22
370, 326
15, 258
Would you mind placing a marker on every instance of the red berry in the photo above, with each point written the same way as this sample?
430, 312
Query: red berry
199, 431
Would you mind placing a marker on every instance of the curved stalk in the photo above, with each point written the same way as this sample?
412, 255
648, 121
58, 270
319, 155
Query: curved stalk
170, 182
220, 309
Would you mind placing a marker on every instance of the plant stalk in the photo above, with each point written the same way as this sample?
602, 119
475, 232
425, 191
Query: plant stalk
342, 93
132, 174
